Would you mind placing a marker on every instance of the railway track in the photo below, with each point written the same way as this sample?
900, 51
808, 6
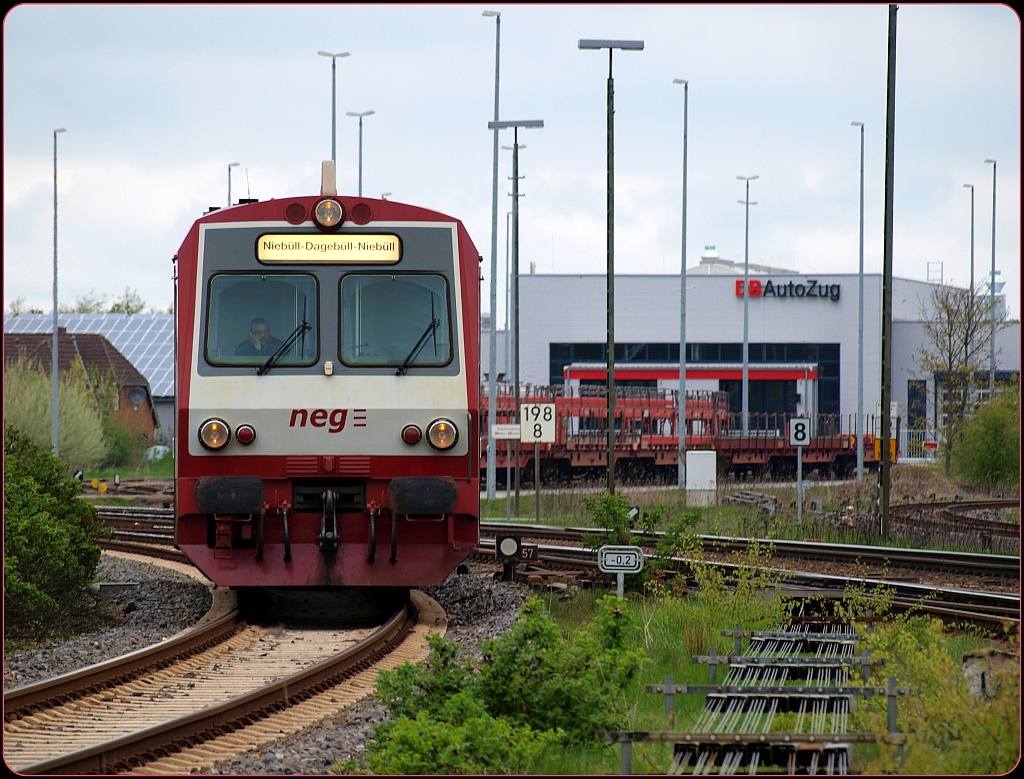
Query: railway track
783, 706
136, 527
222, 687
956, 586
981, 589
152, 529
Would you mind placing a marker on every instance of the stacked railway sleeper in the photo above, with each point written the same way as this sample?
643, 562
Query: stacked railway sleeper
782, 706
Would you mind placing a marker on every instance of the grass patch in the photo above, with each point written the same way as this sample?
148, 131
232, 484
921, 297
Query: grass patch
840, 500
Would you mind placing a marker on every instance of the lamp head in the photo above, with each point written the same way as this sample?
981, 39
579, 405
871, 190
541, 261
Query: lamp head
592, 43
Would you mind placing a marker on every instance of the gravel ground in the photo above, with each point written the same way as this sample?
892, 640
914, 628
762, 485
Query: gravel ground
164, 602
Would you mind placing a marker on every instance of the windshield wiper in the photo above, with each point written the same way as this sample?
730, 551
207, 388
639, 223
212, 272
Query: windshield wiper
404, 367
265, 367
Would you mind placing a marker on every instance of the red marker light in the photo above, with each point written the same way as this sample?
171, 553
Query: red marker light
411, 434
361, 213
245, 434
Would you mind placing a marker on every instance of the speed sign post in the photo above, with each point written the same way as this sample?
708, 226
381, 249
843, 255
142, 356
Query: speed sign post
620, 560
537, 426
799, 436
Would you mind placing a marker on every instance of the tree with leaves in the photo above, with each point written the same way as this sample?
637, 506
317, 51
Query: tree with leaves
130, 302
82, 405
957, 327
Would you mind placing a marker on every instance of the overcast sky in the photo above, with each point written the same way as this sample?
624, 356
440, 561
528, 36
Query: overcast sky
158, 100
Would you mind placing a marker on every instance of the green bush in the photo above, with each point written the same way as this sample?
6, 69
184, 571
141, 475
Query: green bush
949, 730
425, 688
459, 738
125, 447
536, 677
611, 513
535, 688
988, 452
50, 549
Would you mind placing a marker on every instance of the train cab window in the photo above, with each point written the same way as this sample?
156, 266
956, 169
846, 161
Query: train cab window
395, 320
250, 316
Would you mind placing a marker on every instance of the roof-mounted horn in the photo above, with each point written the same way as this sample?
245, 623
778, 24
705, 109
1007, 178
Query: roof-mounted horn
328, 179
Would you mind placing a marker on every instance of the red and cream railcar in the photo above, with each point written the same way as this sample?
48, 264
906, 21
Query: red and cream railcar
327, 393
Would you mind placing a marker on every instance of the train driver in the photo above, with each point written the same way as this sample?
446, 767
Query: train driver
259, 341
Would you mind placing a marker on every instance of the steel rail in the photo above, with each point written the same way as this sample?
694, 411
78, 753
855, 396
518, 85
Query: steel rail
994, 610
22, 701
135, 749
973, 563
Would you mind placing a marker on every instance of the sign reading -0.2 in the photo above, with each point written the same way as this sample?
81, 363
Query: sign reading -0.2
537, 423
620, 559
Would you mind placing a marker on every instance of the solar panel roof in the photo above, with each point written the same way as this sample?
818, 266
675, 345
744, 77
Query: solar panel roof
146, 340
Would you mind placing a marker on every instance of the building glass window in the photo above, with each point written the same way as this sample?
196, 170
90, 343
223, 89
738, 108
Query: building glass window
775, 397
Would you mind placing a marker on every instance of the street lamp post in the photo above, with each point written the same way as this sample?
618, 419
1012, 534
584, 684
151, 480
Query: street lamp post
230, 166
992, 293
527, 123
971, 187
860, 319
611, 45
681, 424
360, 114
508, 290
54, 368
509, 281
744, 396
508, 352
492, 380
334, 114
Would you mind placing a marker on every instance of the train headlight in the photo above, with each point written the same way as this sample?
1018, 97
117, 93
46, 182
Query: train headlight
442, 434
328, 214
214, 434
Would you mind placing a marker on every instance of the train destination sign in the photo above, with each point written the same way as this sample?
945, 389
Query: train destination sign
347, 248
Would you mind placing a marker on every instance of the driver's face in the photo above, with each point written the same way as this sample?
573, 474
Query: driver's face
261, 333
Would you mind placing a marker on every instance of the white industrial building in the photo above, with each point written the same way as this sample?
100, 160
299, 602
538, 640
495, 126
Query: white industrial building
803, 331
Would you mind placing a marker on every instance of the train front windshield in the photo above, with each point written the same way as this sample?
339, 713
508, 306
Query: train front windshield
252, 316
395, 320
389, 320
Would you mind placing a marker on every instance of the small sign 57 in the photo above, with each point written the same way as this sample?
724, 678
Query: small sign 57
620, 559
